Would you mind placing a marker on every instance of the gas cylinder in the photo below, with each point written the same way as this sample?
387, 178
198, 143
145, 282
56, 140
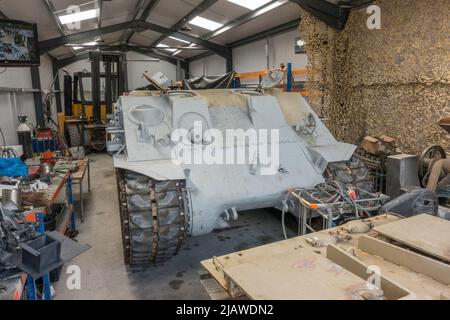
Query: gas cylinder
25, 135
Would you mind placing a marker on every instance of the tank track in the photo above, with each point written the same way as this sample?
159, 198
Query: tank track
152, 218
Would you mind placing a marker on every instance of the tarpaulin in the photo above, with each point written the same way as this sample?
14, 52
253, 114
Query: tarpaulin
13, 167
210, 82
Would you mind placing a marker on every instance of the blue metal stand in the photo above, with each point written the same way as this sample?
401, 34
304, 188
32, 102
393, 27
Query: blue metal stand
289, 77
73, 226
31, 282
31, 288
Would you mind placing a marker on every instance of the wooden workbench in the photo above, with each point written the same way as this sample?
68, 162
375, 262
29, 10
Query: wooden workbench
13, 288
56, 193
83, 167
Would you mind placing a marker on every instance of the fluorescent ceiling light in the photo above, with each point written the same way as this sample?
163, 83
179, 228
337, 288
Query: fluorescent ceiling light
93, 43
79, 16
165, 46
257, 13
206, 23
179, 51
250, 4
184, 41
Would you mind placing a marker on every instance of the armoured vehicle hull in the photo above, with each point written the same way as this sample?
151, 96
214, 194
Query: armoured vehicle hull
166, 194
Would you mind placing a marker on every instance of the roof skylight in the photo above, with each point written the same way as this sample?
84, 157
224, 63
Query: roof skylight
79, 16
205, 23
250, 4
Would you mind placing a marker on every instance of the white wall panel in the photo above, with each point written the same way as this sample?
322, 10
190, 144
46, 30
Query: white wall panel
11, 106
281, 49
252, 57
213, 65
196, 68
134, 69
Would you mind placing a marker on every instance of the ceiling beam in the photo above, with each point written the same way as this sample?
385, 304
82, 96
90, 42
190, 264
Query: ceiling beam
127, 35
100, 8
51, 11
333, 14
51, 44
217, 48
289, 26
203, 6
145, 13
183, 63
137, 9
61, 63
241, 20
148, 9
232, 24
2, 15
135, 46
153, 54
85, 56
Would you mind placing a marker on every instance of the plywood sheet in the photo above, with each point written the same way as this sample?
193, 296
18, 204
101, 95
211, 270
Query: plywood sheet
218, 264
407, 259
424, 232
302, 275
391, 289
265, 266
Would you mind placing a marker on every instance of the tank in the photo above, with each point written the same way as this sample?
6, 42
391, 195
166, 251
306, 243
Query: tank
181, 169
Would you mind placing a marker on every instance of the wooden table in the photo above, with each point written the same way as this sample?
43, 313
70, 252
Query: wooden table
78, 178
12, 289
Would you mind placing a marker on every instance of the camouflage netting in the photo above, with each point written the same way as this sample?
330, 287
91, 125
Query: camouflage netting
393, 81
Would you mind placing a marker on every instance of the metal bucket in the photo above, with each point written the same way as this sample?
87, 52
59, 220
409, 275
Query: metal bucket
46, 168
13, 195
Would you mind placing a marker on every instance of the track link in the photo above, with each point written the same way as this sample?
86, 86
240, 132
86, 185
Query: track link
152, 218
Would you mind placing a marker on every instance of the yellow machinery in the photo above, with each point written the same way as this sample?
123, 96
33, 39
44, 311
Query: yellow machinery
78, 124
88, 99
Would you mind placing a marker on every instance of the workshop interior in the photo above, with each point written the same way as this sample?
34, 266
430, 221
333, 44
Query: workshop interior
224, 150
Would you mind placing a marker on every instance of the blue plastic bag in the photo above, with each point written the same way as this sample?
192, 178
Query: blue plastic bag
13, 167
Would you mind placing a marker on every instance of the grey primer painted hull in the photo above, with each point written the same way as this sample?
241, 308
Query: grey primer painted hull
216, 193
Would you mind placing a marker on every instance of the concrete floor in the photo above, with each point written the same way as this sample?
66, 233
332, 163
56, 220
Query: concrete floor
103, 273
